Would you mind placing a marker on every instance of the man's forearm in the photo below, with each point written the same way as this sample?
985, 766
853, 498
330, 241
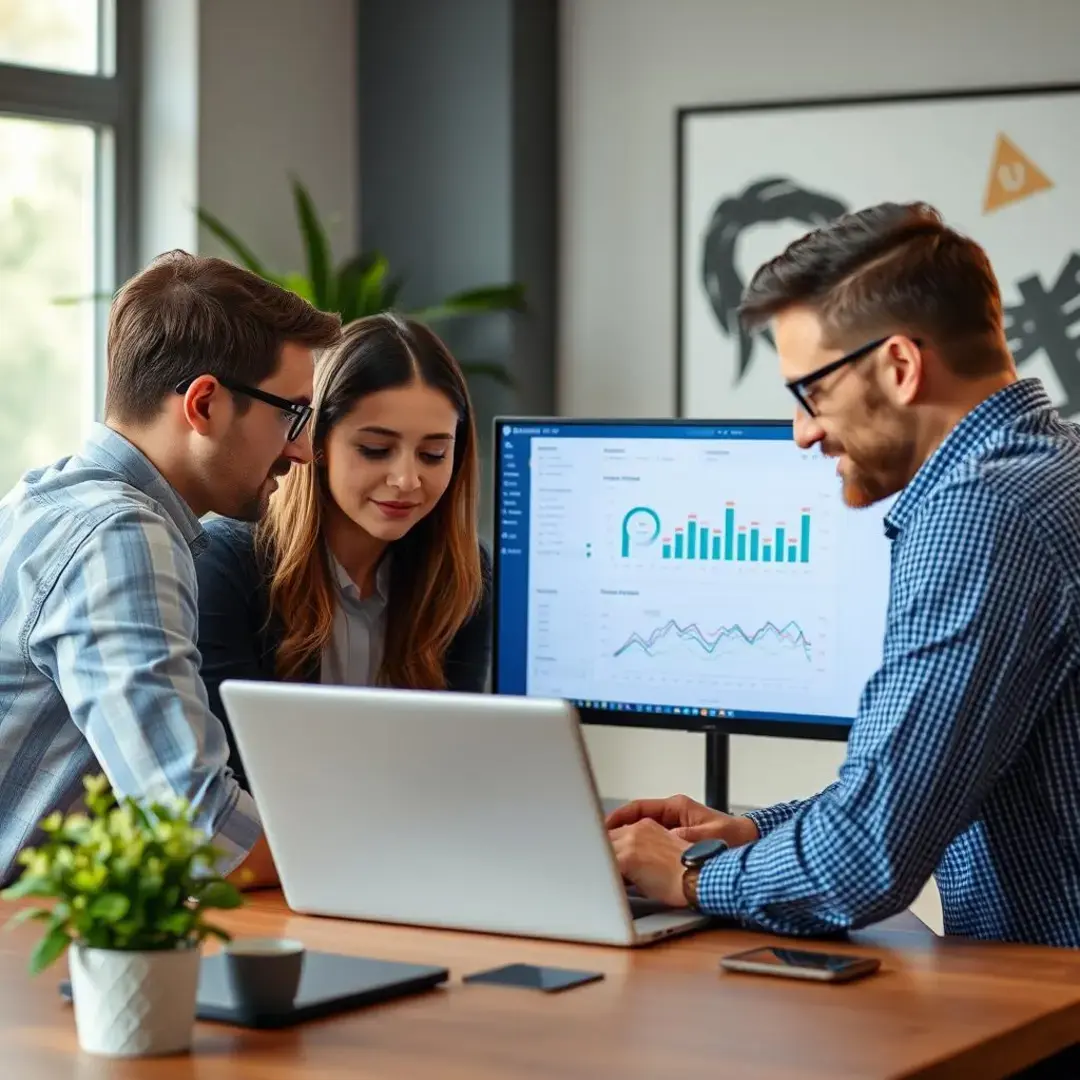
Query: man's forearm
769, 818
820, 873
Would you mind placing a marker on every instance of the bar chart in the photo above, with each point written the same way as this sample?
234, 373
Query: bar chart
730, 538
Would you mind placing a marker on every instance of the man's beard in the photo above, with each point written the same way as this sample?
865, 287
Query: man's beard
881, 463
878, 469
254, 507
864, 485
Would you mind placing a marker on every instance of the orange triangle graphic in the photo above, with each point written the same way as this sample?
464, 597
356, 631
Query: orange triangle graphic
1013, 176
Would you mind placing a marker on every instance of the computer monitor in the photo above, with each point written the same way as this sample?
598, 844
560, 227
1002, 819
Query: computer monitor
694, 575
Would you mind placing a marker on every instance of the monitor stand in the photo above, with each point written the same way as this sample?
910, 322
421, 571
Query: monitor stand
717, 768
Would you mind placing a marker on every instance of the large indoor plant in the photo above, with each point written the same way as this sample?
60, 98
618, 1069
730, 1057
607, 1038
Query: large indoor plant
363, 284
130, 884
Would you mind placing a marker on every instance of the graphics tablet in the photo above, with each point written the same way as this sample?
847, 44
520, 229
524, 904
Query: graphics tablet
330, 984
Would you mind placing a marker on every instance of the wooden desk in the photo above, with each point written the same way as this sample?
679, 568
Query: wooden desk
940, 1009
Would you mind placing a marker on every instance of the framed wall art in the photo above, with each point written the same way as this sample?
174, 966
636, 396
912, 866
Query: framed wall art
1002, 165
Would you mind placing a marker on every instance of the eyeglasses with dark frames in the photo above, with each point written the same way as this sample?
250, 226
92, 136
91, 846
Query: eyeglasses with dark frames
799, 387
300, 414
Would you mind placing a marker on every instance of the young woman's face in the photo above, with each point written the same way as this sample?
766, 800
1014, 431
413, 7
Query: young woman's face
389, 460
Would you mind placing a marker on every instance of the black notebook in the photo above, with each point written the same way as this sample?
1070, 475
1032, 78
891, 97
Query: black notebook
329, 984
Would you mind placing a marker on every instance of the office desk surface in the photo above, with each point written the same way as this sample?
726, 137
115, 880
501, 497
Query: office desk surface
938, 1009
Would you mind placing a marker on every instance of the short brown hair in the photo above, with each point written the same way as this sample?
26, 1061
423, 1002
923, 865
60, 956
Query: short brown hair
892, 268
188, 315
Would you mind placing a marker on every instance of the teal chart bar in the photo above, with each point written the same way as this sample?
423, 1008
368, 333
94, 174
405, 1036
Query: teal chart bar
694, 539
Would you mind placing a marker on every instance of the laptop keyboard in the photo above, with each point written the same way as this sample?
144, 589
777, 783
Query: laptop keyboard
640, 906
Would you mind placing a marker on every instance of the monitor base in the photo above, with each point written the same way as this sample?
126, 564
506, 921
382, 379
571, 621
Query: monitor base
717, 770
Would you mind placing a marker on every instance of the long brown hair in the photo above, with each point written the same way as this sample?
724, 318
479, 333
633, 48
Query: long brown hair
435, 573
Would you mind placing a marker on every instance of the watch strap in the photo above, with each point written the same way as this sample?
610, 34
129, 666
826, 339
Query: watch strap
689, 887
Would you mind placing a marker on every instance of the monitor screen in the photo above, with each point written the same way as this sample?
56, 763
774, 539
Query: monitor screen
687, 574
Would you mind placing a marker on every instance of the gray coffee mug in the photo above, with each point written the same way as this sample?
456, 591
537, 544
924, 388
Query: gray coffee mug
263, 973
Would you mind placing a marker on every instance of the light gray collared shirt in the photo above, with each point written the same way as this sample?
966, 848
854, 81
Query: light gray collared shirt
353, 655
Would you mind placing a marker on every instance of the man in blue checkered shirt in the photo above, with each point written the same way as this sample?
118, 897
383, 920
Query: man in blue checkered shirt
964, 759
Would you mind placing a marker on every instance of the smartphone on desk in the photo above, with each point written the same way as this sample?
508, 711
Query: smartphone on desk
801, 964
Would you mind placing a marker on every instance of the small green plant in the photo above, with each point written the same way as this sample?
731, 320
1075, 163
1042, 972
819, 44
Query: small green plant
363, 285
123, 876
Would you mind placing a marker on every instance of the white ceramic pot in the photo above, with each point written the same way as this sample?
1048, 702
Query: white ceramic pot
134, 1004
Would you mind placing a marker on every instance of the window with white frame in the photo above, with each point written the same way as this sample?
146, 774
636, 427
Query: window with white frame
68, 186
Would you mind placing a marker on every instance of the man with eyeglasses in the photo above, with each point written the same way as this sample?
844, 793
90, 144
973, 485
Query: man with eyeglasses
209, 387
964, 759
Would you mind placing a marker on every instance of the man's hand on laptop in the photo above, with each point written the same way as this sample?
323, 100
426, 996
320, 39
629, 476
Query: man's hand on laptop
690, 821
650, 857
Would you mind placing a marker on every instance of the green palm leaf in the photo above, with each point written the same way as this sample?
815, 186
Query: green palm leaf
373, 286
320, 271
244, 255
479, 301
363, 285
299, 284
349, 275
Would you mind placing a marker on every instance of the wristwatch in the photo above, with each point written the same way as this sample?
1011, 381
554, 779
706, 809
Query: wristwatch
694, 858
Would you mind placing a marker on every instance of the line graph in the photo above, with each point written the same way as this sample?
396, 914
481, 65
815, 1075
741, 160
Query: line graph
788, 637
662, 649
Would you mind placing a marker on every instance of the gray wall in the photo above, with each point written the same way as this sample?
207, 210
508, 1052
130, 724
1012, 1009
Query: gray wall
458, 107
277, 97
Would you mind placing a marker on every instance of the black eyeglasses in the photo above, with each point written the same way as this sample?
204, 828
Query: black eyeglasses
298, 414
799, 387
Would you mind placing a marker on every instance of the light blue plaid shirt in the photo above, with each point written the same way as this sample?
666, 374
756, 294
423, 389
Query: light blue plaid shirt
964, 760
98, 623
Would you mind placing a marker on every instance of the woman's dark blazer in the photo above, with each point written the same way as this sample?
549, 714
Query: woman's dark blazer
237, 642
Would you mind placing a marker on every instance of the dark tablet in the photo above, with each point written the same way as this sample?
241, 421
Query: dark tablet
329, 984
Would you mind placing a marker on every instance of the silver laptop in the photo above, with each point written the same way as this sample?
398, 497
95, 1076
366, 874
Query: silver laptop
463, 811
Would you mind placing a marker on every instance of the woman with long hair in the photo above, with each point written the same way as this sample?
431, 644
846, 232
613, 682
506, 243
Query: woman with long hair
367, 569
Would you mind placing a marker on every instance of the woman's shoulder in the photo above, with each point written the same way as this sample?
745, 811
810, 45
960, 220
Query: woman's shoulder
486, 568
481, 616
469, 657
481, 613
228, 541
226, 532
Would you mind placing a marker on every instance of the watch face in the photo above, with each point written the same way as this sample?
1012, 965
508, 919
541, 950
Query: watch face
702, 851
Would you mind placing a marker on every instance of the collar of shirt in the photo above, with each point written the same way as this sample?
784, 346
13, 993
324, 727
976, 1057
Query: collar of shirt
110, 450
348, 588
1020, 398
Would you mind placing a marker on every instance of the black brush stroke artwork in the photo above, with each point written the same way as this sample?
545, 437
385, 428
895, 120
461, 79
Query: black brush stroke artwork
1047, 319
1044, 318
767, 201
